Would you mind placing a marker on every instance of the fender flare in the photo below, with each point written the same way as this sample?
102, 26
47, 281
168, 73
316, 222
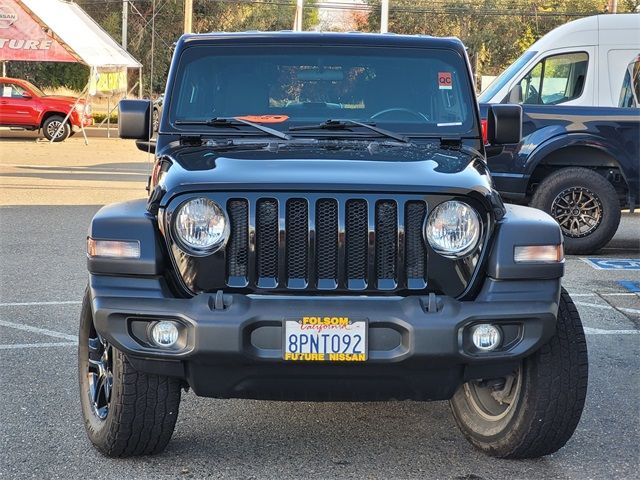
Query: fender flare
127, 221
573, 140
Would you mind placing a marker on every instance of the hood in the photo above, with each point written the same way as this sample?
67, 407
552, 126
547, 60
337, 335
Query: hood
63, 98
409, 169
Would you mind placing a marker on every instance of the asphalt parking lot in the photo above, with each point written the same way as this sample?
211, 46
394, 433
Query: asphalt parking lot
48, 194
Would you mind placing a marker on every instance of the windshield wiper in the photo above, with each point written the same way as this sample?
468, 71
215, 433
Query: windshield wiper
234, 122
345, 124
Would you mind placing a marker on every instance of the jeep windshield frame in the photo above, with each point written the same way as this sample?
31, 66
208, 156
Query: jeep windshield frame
415, 92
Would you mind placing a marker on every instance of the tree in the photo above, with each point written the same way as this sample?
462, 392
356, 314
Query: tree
208, 16
495, 32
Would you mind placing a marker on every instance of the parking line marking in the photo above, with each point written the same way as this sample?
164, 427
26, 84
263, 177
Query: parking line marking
594, 305
43, 331
602, 331
633, 287
18, 346
629, 310
32, 304
604, 263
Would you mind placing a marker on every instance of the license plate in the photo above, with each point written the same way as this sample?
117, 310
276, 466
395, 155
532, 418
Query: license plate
325, 339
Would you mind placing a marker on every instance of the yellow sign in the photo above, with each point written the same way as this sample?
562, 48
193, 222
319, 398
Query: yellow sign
108, 82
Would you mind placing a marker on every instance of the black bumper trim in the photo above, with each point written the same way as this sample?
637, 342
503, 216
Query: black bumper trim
225, 357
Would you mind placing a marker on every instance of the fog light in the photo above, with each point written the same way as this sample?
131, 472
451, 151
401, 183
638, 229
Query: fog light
164, 334
485, 337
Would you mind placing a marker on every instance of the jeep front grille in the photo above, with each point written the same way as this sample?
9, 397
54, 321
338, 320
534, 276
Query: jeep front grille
316, 243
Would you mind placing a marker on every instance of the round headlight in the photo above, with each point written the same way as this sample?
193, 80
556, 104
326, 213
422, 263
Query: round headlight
201, 226
453, 229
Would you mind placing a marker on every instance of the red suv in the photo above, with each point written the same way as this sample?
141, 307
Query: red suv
24, 105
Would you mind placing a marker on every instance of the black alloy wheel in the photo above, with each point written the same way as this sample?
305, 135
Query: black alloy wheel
99, 374
578, 211
585, 205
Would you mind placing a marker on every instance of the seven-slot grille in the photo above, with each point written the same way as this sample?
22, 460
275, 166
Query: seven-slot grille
326, 243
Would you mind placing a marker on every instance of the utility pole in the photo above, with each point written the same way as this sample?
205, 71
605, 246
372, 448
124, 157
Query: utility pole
384, 17
298, 17
188, 16
125, 22
613, 6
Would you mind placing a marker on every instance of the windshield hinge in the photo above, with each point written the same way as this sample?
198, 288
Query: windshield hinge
191, 139
451, 142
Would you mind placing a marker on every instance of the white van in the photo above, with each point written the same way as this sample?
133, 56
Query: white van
580, 63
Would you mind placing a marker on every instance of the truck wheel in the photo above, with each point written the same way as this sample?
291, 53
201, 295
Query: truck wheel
585, 205
125, 412
51, 126
535, 410
156, 119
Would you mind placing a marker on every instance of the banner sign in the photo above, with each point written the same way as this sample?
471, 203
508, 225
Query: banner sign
22, 38
108, 82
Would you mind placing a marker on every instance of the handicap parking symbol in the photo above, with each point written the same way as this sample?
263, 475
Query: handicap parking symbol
614, 263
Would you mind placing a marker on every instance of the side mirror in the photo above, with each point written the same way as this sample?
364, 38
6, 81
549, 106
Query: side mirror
147, 146
134, 119
515, 95
504, 124
26, 96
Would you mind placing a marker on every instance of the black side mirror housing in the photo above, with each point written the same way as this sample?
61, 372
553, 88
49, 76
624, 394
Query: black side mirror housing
504, 124
147, 146
134, 119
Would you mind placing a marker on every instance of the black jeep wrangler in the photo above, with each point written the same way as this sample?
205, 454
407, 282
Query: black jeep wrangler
321, 225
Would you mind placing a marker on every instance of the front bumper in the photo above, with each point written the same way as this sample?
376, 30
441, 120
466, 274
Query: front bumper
79, 121
418, 346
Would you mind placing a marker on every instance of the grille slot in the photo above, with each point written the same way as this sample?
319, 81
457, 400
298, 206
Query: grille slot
357, 229
327, 240
238, 247
386, 239
267, 239
297, 239
415, 252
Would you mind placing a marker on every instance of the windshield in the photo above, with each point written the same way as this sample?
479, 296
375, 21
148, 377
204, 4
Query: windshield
412, 91
502, 79
35, 89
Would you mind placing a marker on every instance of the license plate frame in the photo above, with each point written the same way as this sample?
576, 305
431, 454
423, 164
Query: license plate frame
325, 331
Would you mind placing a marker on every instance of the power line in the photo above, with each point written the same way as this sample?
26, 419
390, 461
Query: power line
446, 9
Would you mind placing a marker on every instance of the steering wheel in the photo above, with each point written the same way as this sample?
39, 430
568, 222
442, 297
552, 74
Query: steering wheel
532, 93
414, 113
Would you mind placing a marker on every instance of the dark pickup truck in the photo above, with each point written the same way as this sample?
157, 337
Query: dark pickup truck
579, 164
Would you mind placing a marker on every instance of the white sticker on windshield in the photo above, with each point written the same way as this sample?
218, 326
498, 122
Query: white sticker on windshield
450, 124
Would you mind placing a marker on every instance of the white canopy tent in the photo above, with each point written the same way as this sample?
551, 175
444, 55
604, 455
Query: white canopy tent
80, 34
72, 36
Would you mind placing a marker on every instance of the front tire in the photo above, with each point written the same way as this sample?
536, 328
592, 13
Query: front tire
125, 412
534, 411
52, 125
156, 119
584, 204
